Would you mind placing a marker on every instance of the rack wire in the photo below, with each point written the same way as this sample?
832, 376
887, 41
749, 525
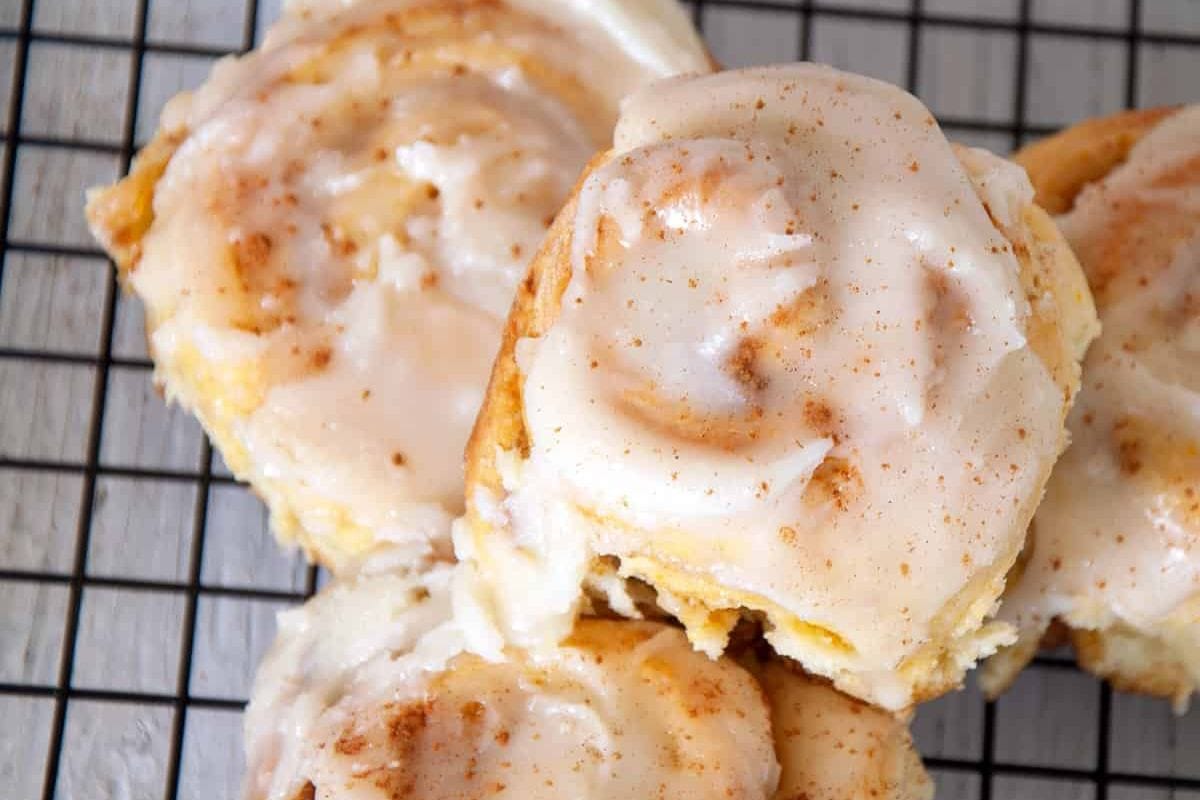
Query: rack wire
980, 770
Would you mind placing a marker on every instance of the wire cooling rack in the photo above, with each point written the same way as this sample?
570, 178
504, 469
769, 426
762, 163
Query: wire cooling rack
138, 582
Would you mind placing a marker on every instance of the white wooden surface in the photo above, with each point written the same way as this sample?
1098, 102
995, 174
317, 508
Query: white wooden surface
142, 534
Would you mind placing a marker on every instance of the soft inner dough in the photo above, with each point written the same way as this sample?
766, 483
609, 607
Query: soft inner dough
368, 694
785, 353
328, 233
1115, 550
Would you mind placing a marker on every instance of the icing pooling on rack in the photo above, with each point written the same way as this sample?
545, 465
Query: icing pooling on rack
367, 694
1117, 539
791, 364
351, 209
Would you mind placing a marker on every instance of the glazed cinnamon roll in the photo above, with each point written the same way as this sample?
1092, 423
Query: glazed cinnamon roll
786, 355
1114, 552
327, 234
367, 694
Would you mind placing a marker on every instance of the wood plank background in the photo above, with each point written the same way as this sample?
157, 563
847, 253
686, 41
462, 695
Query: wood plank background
122, 544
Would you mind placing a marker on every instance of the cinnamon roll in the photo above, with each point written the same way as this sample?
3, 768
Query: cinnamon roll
785, 355
326, 237
368, 694
1114, 553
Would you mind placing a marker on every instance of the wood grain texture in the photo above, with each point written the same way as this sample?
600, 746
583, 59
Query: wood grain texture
31, 628
142, 529
163, 76
1110, 14
128, 640
239, 550
1147, 739
140, 430
231, 636
951, 726
1170, 16
48, 190
114, 750
1124, 792
955, 785
1012, 787
45, 408
39, 518
1099, 66
1167, 74
1049, 718
878, 49
215, 23
113, 18
81, 92
10, 14
129, 329
53, 303
980, 84
8, 55
870, 5
740, 37
23, 746
212, 755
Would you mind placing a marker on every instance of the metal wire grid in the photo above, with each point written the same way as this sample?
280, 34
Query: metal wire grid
918, 21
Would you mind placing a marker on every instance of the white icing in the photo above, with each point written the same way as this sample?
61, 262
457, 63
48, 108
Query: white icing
326, 651
385, 169
367, 694
774, 268
1117, 539
656, 33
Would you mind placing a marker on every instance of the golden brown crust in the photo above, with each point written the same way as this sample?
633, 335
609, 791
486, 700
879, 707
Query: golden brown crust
501, 420
122, 213
1132, 662
1062, 164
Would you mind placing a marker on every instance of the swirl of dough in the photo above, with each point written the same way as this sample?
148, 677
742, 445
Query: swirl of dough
386, 707
368, 694
1115, 546
787, 353
328, 233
